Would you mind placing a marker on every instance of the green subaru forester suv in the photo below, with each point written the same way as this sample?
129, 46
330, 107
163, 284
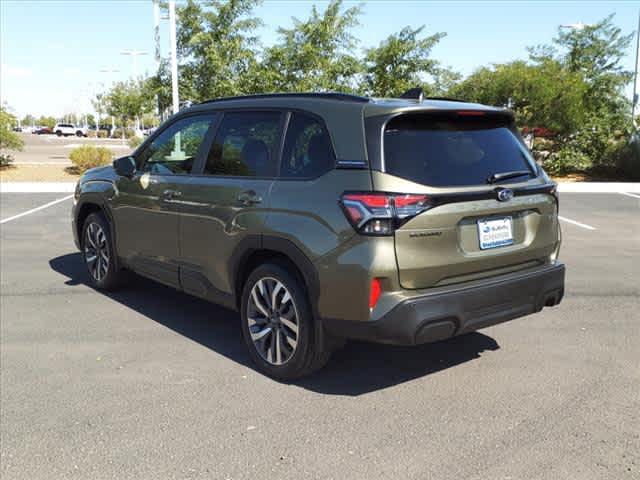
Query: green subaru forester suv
324, 217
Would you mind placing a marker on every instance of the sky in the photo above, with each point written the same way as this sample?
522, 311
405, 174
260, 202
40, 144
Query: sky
52, 51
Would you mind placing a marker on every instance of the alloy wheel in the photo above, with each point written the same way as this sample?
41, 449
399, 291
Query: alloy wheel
273, 321
96, 252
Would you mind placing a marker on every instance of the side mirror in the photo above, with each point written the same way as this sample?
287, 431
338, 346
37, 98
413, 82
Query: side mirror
125, 166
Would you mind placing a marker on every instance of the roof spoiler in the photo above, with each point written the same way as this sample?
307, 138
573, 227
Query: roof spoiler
417, 93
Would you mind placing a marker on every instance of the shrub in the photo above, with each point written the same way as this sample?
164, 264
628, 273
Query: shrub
117, 133
5, 160
628, 158
134, 142
88, 156
103, 134
91, 134
566, 160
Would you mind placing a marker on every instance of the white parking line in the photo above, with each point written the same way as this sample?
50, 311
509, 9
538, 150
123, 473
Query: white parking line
630, 194
573, 222
33, 210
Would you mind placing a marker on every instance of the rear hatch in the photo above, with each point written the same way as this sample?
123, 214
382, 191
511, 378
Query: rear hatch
489, 210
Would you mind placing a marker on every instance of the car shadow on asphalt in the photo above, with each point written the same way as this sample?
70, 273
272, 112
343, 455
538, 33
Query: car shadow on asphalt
356, 369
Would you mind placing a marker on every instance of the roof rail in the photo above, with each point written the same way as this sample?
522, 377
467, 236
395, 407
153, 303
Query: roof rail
346, 97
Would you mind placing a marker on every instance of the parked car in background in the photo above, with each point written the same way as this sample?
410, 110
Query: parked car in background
68, 129
42, 131
17, 129
324, 217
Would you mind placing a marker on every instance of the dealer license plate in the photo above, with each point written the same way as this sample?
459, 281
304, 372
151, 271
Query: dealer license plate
495, 232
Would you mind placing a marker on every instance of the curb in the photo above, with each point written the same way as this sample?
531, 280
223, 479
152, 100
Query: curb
572, 187
599, 187
37, 187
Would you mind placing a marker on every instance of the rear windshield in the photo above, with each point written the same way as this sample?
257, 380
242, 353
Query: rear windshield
453, 150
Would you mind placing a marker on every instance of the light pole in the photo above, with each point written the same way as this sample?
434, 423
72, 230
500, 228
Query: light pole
173, 47
634, 100
156, 32
110, 71
134, 54
174, 56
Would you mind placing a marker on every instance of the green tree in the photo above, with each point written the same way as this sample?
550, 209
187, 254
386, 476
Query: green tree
544, 95
9, 140
595, 53
128, 100
403, 61
216, 48
159, 87
45, 121
315, 54
28, 120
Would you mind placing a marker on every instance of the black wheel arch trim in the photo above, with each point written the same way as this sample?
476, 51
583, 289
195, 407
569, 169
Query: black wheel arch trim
97, 199
253, 243
289, 249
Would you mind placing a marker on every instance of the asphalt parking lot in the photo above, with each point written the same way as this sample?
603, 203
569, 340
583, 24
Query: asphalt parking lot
151, 383
53, 150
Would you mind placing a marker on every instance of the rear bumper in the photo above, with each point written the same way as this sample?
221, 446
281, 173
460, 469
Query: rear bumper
454, 310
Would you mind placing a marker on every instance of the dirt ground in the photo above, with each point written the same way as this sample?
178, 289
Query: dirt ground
37, 173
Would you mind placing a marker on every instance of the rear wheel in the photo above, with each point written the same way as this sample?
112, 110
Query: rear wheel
79, 134
59, 133
99, 254
278, 326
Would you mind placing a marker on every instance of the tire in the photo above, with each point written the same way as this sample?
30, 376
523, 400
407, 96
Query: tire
59, 133
99, 253
283, 345
79, 134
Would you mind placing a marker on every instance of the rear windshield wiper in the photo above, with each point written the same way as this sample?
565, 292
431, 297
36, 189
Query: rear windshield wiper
498, 177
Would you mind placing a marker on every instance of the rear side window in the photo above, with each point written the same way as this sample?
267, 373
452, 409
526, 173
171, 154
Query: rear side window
448, 150
245, 145
307, 149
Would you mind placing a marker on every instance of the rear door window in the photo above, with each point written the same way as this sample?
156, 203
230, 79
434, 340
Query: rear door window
245, 145
452, 150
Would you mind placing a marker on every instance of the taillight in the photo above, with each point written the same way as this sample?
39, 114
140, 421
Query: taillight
375, 213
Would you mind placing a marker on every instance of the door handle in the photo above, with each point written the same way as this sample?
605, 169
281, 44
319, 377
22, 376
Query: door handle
248, 198
169, 195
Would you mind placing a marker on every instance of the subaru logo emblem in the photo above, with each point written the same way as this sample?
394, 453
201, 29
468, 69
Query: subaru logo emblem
505, 194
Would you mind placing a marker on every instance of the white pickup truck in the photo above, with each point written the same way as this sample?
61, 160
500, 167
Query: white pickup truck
67, 129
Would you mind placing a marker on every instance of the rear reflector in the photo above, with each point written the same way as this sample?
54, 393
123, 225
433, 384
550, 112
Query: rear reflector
374, 293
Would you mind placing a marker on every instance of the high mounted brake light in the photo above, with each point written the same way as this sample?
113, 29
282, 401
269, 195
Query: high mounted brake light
471, 113
375, 213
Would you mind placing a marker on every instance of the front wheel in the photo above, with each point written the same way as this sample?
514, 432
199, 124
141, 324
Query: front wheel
79, 134
278, 326
98, 253
59, 133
